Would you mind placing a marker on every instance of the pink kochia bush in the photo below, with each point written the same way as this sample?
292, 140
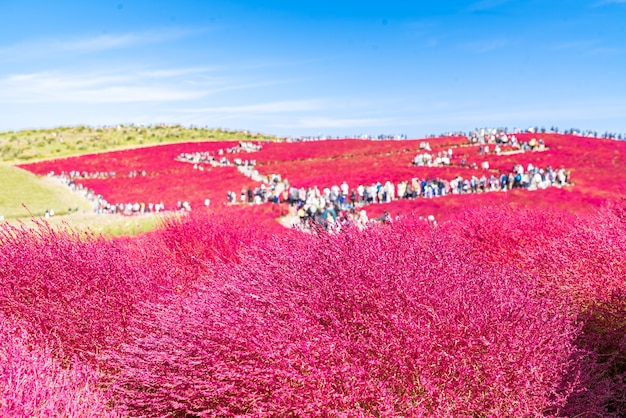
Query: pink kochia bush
195, 238
76, 292
71, 295
582, 258
79, 291
34, 384
504, 311
391, 321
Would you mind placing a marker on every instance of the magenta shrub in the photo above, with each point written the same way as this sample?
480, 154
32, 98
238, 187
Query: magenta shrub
505, 312
78, 292
197, 239
582, 259
378, 323
68, 290
34, 384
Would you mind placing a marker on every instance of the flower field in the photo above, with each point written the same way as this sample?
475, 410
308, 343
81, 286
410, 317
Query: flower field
596, 166
507, 312
512, 305
166, 180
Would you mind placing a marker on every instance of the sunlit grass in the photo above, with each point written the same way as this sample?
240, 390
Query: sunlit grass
33, 145
105, 224
23, 194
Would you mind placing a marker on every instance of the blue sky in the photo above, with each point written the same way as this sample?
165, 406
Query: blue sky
309, 67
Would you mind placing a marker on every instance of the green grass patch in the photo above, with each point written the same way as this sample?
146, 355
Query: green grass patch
35, 145
106, 224
23, 194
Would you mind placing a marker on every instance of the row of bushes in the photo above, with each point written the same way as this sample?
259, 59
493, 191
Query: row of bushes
504, 312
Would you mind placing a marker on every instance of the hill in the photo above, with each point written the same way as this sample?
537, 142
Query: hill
575, 172
39, 144
19, 188
511, 304
24, 194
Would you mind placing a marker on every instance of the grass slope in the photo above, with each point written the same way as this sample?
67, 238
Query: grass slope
33, 145
23, 195
19, 188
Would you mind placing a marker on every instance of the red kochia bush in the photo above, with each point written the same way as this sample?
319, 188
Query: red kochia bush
79, 291
200, 238
376, 323
582, 258
34, 384
75, 291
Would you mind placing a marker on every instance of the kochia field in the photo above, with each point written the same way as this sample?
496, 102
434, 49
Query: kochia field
513, 306
597, 171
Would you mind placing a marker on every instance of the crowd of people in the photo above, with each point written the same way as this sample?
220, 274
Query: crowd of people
219, 158
489, 131
488, 141
444, 158
499, 138
101, 206
341, 202
82, 175
74, 174
275, 191
342, 196
428, 159
590, 133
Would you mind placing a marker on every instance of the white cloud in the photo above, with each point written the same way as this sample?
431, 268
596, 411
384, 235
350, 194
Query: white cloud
98, 43
590, 48
286, 106
577, 45
485, 5
175, 72
45, 47
126, 85
111, 87
509, 115
481, 47
606, 2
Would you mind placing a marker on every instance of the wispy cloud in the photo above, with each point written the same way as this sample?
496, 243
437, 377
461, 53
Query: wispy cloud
509, 115
117, 86
590, 48
90, 44
607, 2
175, 72
577, 45
287, 106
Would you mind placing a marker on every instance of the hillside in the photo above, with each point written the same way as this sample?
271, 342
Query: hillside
33, 145
189, 169
24, 194
458, 297
195, 171
18, 188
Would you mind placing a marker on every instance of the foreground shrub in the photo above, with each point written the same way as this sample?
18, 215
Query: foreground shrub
374, 323
74, 291
78, 291
583, 259
198, 239
34, 384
